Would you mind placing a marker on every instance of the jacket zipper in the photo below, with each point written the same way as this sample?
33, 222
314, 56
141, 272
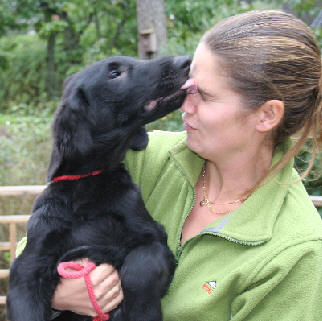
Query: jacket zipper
179, 248
231, 239
228, 238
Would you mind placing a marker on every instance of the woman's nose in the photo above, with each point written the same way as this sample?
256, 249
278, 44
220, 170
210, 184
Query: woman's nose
188, 105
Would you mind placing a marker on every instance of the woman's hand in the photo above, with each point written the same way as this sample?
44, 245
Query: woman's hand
72, 295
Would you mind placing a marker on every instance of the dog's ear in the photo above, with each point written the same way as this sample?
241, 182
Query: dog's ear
140, 140
71, 129
54, 165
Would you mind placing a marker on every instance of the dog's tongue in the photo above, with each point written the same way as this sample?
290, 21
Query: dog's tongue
150, 105
189, 83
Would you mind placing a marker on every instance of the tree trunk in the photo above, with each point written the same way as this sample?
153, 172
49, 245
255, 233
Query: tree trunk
50, 54
152, 28
97, 26
71, 38
51, 72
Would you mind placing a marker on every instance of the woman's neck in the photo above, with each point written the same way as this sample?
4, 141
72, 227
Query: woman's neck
231, 179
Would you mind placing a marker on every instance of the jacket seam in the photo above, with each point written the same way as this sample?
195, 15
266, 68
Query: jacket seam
277, 252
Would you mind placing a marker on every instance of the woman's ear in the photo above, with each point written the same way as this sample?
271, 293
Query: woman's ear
270, 115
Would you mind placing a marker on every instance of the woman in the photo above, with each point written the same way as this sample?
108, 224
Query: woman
247, 239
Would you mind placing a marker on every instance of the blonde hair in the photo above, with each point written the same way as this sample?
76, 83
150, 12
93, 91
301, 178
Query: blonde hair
269, 55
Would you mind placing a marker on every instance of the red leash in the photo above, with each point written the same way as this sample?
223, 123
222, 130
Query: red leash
83, 271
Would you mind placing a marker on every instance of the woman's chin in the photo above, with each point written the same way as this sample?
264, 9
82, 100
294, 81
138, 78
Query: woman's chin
192, 144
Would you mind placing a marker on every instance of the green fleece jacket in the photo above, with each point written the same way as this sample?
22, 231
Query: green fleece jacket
262, 262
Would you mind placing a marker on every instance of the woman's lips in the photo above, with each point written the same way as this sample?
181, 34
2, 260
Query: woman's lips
187, 127
185, 124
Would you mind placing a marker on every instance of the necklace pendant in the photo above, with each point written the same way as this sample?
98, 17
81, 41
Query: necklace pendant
203, 202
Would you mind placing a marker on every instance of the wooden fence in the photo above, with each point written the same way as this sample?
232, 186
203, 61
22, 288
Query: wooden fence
13, 220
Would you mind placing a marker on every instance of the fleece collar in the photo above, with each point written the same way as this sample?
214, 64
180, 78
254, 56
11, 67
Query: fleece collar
253, 222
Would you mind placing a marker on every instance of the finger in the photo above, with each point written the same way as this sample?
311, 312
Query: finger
101, 273
114, 303
110, 301
111, 294
106, 285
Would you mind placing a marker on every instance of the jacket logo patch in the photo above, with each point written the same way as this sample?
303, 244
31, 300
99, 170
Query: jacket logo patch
210, 287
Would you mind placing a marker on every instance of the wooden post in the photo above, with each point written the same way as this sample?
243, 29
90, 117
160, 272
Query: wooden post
12, 240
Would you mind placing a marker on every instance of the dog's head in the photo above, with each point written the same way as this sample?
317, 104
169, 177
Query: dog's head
105, 106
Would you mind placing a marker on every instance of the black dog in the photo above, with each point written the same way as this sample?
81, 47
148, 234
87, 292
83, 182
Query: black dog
102, 217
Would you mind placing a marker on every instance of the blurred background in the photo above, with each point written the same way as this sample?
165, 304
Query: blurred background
43, 42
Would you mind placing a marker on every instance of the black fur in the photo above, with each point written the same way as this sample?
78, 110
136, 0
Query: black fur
102, 114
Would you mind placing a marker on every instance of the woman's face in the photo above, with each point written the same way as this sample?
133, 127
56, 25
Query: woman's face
214, 118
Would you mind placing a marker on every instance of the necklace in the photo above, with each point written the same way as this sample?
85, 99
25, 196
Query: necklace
208, 203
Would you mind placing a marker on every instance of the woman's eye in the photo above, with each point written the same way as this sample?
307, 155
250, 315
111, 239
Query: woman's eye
207, 98
115, 74
204, 98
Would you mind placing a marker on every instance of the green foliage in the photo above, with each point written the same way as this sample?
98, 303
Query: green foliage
25, 148
6, 46
84, 31
307, 10
171, 122
7, 18
23, 76
87, 31
53, 26
26, 144
188, 20
313, 181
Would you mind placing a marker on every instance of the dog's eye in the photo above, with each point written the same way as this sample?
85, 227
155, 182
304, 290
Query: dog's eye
115, 74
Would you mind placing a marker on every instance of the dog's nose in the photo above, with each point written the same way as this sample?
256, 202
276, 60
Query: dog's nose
182, 62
